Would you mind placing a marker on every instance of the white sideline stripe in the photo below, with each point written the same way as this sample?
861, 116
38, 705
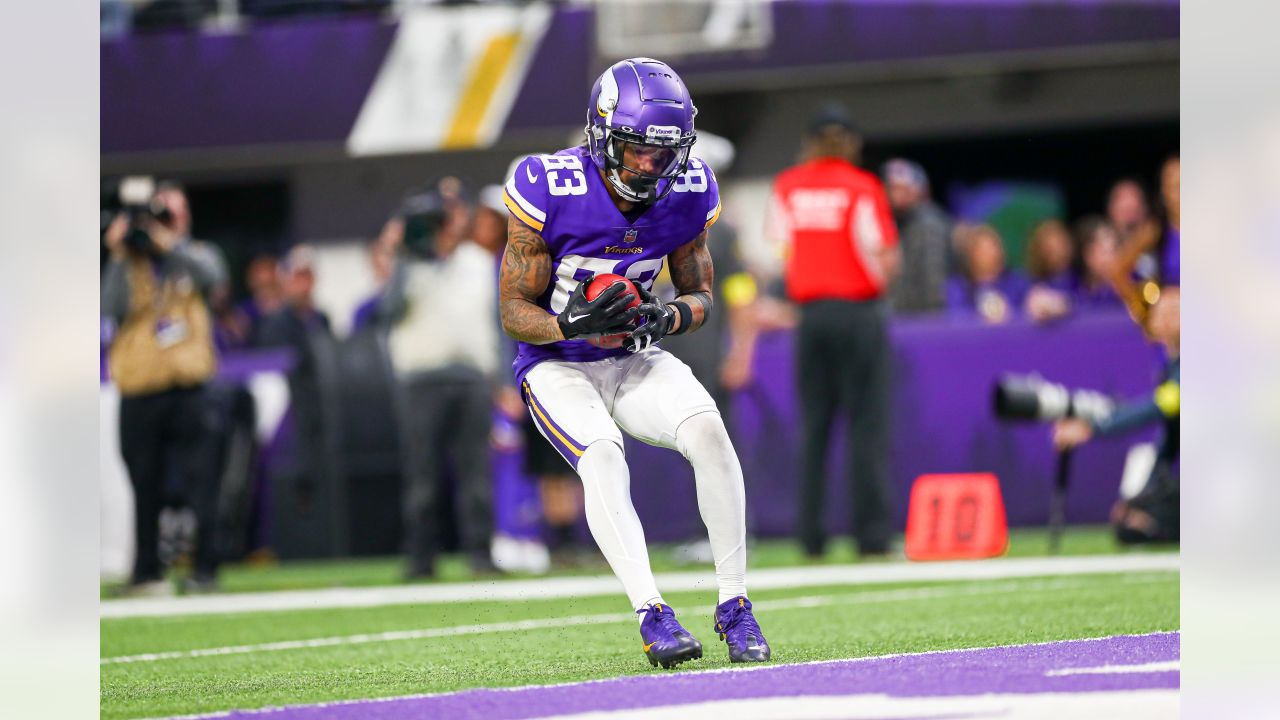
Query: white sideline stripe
1148, 704
811, 601
554, 588
1167, 666
684, 673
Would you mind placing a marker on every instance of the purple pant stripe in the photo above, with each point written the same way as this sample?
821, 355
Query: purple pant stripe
560, 440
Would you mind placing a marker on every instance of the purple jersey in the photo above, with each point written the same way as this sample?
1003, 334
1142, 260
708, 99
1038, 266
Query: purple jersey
1171, 257
564, 198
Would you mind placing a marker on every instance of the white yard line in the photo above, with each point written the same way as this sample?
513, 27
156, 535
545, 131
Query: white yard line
1132, 704
811, 601
1168, 666
551, 588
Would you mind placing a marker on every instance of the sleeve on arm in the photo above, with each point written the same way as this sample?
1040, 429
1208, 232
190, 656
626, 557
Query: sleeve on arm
1131, 416
713, 198
393, 303
525, 193
115, 292
205, 263
884, 214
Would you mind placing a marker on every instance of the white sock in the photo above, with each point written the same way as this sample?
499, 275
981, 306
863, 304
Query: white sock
722, 501
647, 604
606, 485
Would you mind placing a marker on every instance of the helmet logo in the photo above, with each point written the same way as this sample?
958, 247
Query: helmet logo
608, 100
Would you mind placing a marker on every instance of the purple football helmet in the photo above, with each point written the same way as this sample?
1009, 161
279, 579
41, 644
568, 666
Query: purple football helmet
640, 120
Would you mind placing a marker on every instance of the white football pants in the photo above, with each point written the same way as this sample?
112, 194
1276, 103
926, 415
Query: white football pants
653, 397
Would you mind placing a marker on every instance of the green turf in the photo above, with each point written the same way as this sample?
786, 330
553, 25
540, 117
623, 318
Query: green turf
366, 572
861, 621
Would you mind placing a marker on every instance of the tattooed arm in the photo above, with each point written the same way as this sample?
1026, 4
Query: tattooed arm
693, 276
526, 271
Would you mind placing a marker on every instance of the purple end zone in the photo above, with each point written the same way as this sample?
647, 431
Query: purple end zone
1019, 669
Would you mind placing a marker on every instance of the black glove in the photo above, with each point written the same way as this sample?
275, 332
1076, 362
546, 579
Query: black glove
605, 315
659, 319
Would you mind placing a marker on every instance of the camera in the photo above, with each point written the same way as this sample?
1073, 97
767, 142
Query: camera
140, 205
1031, 397
424, 215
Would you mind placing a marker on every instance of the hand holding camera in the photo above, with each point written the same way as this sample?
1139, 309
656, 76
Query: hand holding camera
146, 225
114, 236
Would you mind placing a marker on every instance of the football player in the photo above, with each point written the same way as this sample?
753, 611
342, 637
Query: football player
621, 203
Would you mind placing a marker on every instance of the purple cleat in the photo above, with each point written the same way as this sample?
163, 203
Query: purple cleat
739, 629
666, 642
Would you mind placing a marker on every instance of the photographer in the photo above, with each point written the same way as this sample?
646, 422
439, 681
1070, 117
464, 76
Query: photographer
157, 289
440, 306
1151, 515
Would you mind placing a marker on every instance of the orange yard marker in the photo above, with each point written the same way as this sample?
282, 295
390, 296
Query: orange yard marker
956, 517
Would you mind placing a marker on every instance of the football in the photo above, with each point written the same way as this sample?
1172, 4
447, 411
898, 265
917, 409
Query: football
599, 284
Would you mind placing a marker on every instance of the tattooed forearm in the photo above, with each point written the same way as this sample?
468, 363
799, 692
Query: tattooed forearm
526, 272
693, 276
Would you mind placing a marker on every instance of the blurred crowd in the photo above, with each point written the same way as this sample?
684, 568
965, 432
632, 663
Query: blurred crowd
1114, 257
431, 329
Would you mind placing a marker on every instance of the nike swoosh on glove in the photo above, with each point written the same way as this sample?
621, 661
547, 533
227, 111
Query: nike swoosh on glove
605, 315
659, 317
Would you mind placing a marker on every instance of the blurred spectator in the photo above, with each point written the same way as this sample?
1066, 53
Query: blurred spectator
841, 250
382, 260
1151, 515
490, 222
1127, 207
240, 325
1160, 240
987, 289
297, 315
1169, 243
225, 325
1099, 244
1050, 259
266, 294
924, 230
1050, 255
157, 288
297, 324
441, 306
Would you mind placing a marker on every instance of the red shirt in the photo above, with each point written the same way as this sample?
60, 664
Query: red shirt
833, 220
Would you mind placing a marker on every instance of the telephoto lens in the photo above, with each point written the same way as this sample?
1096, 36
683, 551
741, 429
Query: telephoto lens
1031, 397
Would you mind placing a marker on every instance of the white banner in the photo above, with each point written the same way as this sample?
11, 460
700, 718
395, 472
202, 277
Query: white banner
449, 79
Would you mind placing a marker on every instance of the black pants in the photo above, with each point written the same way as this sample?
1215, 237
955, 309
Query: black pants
168, 440
446, 422
842, 363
